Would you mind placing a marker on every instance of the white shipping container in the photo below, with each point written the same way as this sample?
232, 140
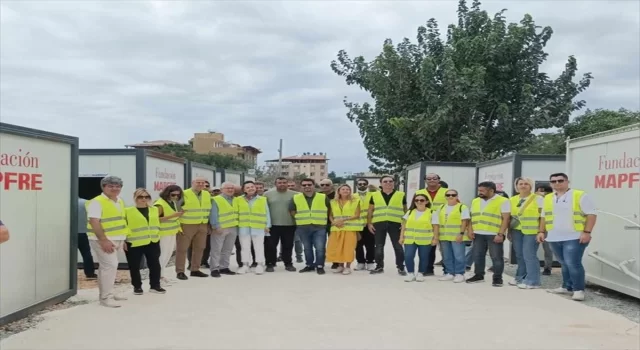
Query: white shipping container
375, 181
218, 178
38, 204
249, 178
232, 176
201, 170
607, 166
458, 176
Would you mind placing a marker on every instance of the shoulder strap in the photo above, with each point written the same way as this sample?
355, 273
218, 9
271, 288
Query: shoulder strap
526, 204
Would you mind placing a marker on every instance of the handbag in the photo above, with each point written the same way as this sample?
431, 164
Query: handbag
515, 220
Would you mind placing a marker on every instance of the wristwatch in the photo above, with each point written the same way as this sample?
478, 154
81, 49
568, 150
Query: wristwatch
501, 234
461, 233
587, 232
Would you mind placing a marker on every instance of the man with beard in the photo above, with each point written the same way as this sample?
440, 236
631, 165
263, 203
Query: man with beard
326, 188
435, 191
367, 239
283, 226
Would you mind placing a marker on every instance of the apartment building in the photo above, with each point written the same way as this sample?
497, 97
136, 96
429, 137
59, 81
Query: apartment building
314, 165
213, 142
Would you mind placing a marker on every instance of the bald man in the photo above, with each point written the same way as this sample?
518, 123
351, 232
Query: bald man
196, 203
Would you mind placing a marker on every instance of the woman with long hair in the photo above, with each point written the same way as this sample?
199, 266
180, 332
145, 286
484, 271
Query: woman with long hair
169, 212
452, 221
143, 222
418, 235
345, 225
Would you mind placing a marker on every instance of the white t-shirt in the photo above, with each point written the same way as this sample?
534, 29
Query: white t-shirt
464, 215
504, 208
563, 216
418, 214
94, 210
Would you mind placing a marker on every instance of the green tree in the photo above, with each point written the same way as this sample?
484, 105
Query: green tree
477, 95
221, 161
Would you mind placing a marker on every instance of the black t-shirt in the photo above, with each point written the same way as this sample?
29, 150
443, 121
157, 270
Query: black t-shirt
144, 212
387, 198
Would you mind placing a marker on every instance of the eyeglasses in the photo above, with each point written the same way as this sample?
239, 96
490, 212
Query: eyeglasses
174, 194
420, 200
143, 197
362, 184
557, 181
451, 195
306, 185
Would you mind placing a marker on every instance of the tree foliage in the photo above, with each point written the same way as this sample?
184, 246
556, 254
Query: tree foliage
221, 161
268, 175
476, 95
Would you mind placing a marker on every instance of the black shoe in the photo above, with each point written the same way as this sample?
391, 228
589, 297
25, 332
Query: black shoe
138, 291
92, 277
402, 272
475, 279
335, 266
320, 270
198, 274
428, 273
467, 268
157, 290
279, 259
299, 260
490, 269
254, 265
270, 269
497, 282
215, 273
182, 276
227, 272
307, 269
439, 263
376, 271
205, 265
546, 272
290, 268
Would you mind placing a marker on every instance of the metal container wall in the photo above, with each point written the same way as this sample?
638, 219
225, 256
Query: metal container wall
38, 204
459, 176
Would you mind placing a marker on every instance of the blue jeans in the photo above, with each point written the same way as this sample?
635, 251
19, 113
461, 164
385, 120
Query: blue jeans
569, 254
453, 259
517, 241
468, 254
423, 256
313, 237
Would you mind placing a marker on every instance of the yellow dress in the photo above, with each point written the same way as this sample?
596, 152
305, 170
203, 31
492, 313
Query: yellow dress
341, 247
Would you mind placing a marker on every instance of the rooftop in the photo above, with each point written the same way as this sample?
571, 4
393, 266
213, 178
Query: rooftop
156, 143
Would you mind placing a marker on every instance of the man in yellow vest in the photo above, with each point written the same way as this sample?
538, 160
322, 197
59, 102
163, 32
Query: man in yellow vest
436, 193
107, 230
224, 223
568, 217
384, 217
367, 241
196, 204
490, 215
311, 210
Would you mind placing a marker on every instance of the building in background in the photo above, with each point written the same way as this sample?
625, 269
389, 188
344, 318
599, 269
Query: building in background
154, 144
314, 165
213, 142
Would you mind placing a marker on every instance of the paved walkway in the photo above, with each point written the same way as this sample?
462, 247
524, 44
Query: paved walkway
286, 310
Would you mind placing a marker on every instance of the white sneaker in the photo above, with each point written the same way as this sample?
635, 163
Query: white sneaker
446, 277
458, 279
346, 271
109, 303
513, 283
360, 267
578, 295
410, 277
259, 270
526, 286
371, 267
558, 291
244, 269
419, 277
338, 269
119, 297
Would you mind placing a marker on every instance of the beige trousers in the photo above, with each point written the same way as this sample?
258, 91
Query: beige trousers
108, 267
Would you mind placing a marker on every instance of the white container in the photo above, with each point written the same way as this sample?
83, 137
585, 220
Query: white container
373, 180
201, 170
458, 176
38, 204
607, 166
233, 176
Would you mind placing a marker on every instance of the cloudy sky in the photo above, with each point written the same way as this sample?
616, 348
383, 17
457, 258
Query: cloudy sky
120, 72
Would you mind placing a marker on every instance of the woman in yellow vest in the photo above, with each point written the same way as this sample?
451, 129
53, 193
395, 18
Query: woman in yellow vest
526, 208
143, 222
345, 225
169, 212
254, 222
452, 221
418, 235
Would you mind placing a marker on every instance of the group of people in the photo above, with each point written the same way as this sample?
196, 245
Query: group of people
338, 225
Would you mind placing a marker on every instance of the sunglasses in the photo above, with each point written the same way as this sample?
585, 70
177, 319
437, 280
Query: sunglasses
325, 185
362, 184
451, 195
175, 194
143, 197
420, 200
306, 185
557, 181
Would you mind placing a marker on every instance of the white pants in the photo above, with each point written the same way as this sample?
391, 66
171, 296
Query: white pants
108, 268
258, 246
167, 247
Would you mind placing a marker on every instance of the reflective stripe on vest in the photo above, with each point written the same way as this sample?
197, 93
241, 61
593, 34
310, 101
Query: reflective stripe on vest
530, 218
348, 210
451, 224
112, 219
316, 215
489, 219
196, 211
418, 231
227, 213
392, 212
579, 217
168, 227
253, 216
142, 232
440, 198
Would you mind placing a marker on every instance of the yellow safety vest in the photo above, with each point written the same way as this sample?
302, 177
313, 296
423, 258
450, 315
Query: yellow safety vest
579, 218
364, 206
418, 231
143, 232
451, 224
383, 212
529, 220
345, 212
171, 226
112, 220
227, 213
490, 219
316, 215
196, 211
252, 216
440, 199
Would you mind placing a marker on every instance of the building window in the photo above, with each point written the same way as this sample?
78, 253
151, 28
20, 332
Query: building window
284, 173
322, 167
313, 167
313, 174
322, 173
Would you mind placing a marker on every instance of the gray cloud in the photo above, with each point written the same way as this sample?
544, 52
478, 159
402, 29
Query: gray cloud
257, 71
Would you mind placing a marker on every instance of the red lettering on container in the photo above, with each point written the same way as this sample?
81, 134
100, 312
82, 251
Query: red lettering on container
622, 180
20, 181
160, 185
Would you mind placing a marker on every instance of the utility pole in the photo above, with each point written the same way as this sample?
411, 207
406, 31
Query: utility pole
280, 159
